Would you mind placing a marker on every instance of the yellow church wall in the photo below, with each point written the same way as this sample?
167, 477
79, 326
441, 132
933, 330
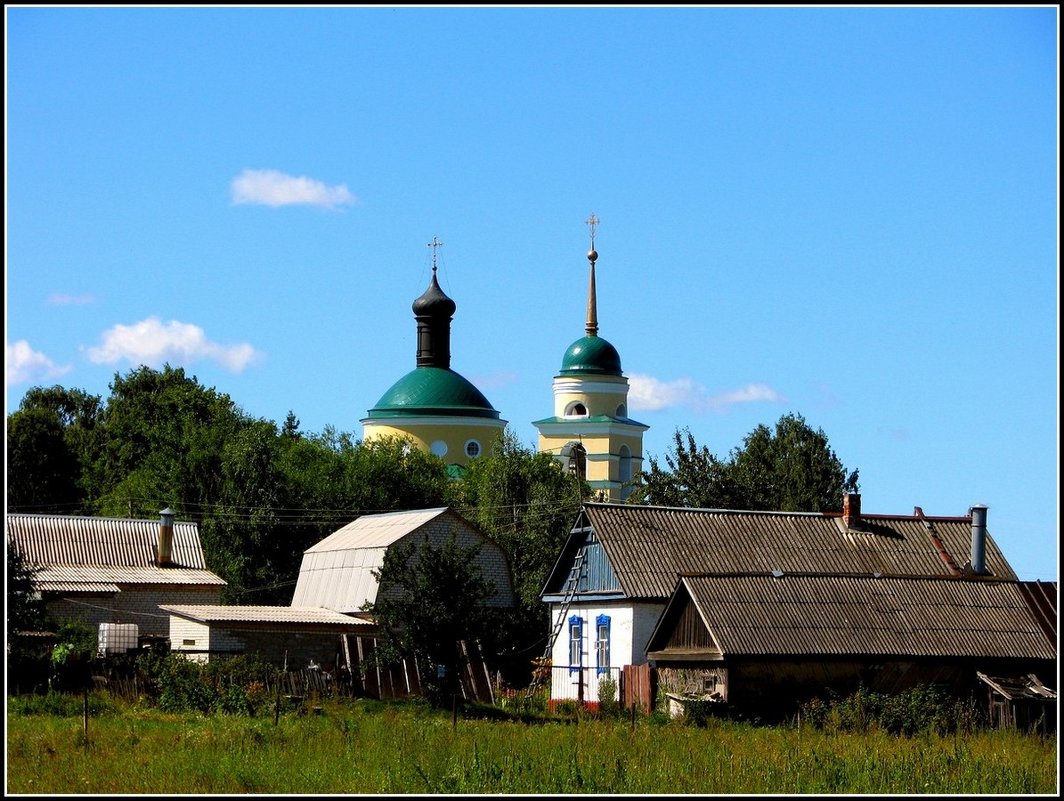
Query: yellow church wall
601, 396
454, 432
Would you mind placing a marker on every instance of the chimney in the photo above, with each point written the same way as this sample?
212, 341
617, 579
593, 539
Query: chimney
164, 556
851, 509
978, 513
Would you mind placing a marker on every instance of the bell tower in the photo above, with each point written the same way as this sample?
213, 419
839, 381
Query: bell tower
590, 432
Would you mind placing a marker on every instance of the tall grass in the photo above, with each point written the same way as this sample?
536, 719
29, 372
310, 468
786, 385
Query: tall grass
375, 747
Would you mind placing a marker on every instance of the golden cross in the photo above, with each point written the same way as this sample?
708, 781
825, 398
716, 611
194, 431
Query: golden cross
434, 244
592, 221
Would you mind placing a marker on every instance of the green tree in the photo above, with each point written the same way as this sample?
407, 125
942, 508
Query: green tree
791, 469
526, 503
25, 609
53, 440
692, 477
164, 438
429, 599
27, 664
42, 470
243, 532
390, 474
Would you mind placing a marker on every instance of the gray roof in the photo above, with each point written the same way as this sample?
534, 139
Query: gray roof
843, 616
95, 553
376, 532
649, 546
305, 615
337, 572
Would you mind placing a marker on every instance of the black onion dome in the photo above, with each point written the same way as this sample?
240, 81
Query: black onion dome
434, 303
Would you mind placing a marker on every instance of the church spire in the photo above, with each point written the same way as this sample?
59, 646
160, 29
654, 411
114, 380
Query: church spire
591, 327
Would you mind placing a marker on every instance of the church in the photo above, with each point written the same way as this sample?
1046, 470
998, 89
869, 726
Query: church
442, 412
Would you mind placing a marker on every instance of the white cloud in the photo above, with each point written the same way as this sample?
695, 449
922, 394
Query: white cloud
61, 299
22, 363
650, 394
273, 188
153, 342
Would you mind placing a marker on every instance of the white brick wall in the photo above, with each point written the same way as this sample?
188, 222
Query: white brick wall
492, 560
134, 604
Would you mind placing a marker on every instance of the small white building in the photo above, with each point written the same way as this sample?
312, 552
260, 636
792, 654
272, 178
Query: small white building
337, 573
325, 624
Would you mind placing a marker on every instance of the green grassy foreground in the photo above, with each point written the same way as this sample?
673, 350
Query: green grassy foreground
370, 747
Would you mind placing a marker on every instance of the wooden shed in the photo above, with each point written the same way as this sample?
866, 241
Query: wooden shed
767, 642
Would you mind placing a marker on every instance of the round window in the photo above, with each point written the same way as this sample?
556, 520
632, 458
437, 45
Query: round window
472, 449
438, 448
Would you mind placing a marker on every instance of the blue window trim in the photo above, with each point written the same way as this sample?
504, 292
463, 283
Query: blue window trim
600, 621
576, 622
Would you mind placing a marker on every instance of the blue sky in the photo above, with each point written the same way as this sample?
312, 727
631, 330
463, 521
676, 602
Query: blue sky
845, 213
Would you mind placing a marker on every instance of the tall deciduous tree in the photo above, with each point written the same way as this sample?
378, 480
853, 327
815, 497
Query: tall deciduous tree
791, 469
165, 434
53, 441
692, 477
526, 503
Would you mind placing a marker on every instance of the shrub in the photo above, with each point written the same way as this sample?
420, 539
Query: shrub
607, 694
921, 709
72, 657
59, 704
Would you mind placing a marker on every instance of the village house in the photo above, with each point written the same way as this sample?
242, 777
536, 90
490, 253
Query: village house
114, 572
745, 607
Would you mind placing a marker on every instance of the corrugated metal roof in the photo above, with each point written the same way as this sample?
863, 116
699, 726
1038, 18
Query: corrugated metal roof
338, 571
1041, 598
80, 575
90, 587
648, 546
100, 541
316, 615
842, 616
340, 580
375, 531
94, 554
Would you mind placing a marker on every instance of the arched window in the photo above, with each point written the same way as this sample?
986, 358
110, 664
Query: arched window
622, 411
576, 409
624, 472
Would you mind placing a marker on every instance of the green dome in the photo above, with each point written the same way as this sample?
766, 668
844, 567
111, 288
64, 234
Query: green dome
432, 391
591, 355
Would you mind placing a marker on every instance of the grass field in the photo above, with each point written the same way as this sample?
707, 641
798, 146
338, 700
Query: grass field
367, 747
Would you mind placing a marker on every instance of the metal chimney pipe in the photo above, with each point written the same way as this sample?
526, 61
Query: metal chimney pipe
164, 556
978, 513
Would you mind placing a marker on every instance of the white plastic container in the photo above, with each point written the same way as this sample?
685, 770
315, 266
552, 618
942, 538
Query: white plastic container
117, 638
